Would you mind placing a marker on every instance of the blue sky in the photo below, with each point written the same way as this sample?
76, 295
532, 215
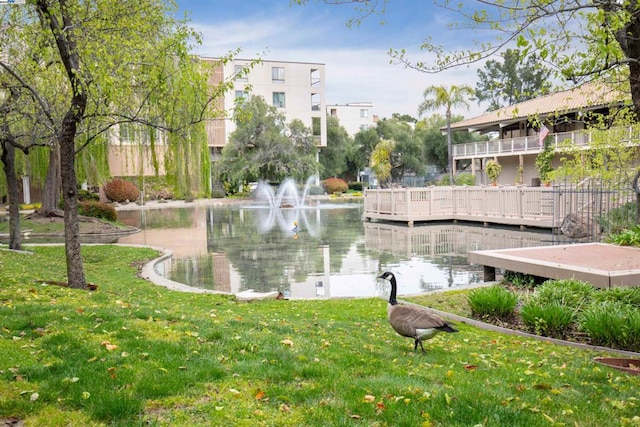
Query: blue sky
357, 63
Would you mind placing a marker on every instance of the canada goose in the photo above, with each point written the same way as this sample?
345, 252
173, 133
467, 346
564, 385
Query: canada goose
413, 321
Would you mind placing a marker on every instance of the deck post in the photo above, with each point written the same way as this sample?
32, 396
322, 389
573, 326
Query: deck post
488, 273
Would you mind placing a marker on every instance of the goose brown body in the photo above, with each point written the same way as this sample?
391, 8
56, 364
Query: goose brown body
413, 321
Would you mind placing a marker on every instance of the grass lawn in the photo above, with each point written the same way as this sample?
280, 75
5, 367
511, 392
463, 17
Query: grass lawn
132, 353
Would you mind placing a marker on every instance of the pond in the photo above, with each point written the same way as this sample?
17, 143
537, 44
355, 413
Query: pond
322, 251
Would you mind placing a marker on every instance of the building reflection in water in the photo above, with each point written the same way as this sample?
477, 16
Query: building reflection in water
332, 254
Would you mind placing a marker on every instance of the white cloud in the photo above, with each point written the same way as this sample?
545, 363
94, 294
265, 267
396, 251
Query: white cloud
353, 74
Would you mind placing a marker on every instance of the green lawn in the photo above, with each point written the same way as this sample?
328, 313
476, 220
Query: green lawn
132, 353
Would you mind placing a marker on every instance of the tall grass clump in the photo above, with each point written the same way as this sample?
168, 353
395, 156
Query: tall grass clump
569, 292
549, 320
629, 296
494, 301
613, 324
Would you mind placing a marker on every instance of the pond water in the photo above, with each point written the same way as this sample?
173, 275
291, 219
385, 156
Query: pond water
323, 251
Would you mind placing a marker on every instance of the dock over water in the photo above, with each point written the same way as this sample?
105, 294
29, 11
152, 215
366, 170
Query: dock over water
602, 265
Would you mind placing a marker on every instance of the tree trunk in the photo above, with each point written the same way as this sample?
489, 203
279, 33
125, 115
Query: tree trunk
67, 134
51, 195
8, 159
75, 269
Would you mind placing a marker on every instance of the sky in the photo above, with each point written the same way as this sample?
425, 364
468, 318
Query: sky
357, 63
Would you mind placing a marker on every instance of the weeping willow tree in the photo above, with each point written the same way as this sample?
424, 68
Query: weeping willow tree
80, 68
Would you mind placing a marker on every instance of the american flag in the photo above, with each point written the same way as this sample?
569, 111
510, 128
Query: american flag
544, 131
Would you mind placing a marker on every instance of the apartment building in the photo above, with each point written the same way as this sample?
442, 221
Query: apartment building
353, 116
297, 89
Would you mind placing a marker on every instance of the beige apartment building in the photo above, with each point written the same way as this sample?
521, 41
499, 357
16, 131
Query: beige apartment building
353, 116
296, 89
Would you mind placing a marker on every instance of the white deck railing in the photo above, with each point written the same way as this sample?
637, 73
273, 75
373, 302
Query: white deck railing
520, 145
524, 206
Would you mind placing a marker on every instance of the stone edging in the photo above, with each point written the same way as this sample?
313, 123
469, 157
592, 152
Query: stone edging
149, 273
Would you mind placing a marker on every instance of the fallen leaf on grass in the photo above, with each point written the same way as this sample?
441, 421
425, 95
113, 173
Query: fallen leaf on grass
112, 373
259, 395
369, 398
287, 342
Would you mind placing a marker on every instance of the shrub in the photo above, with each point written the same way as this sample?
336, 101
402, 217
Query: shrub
218, 194
494, 301
97, 210
464, 179
549, 320
612, 324
120, 191
521, 280
355, 186
570, 292
630, 237
335, 185
315, 190
89, 196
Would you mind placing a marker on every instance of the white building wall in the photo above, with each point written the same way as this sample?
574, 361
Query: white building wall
300, 86
354, 116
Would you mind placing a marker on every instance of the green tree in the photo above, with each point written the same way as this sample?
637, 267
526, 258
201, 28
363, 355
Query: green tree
340, 147
437, 97
407, 154
429, 133
263, 147
365, 142
513, 80
381, 160
79, 79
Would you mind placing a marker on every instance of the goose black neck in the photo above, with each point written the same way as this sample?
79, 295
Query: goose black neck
394, 290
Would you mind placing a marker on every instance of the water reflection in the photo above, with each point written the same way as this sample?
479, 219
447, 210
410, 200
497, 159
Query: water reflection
332, 255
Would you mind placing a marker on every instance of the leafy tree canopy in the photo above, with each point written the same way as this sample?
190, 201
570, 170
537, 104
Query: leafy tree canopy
264, 147
340, 148
512, 80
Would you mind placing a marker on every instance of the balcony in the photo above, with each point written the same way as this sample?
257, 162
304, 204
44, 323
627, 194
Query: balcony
515, 146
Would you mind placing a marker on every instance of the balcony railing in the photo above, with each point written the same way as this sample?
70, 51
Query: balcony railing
519, 145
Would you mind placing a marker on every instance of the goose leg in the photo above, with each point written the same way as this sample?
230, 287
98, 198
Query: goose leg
415, 347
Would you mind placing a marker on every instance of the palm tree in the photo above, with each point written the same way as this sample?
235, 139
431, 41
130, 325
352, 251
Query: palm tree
436, 97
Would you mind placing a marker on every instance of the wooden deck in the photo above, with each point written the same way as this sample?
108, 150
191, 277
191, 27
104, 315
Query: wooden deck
600, 264
517, 206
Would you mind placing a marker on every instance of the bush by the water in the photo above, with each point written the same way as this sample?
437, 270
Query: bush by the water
335, 185
355, 186
88, 196
120, 191
494, 301
97, 210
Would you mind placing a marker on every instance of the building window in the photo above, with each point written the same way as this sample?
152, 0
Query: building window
334, 112
315, 126
277, 74
364, 127
315, 102
315, 77
364, 113
241, 96
239, 73
279, 100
